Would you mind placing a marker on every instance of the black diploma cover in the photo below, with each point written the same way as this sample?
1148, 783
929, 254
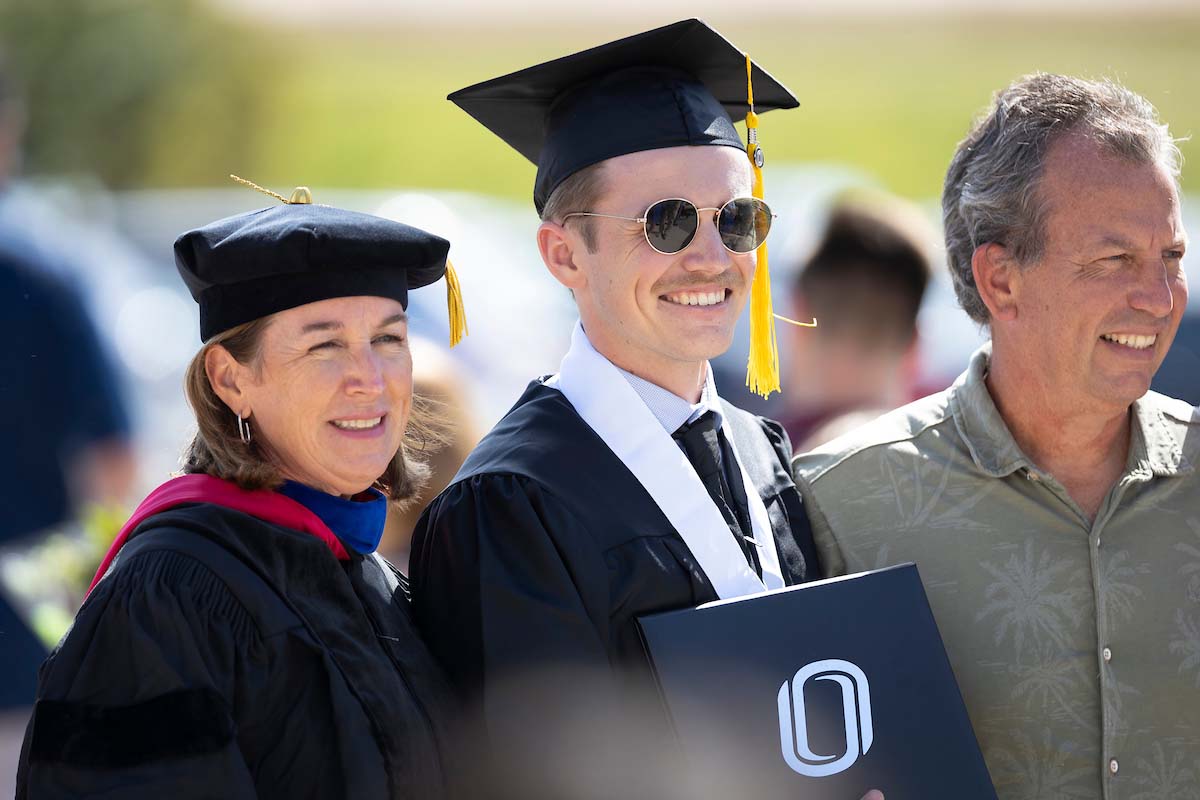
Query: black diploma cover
820, 691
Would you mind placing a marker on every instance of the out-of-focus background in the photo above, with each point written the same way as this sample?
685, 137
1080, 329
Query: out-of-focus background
120, 121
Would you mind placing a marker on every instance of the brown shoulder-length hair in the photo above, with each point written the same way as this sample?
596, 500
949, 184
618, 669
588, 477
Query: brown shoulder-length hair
217, 448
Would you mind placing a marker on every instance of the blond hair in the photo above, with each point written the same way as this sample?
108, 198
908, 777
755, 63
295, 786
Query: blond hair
579, 192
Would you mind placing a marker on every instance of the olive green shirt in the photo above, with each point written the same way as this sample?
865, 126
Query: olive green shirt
1076, 644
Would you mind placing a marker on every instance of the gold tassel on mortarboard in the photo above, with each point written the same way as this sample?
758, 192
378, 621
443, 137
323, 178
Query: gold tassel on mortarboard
762, 368
458, 313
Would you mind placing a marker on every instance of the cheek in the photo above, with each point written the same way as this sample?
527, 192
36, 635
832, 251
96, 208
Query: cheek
616, 293
746, 265
650, 277
1179, 294
400, 384
303, 391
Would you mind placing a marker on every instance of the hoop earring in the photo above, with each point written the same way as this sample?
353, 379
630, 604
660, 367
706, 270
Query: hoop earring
243, 429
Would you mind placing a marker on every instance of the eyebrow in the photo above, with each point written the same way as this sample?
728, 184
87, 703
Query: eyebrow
1125, 244
333, 325
326, 325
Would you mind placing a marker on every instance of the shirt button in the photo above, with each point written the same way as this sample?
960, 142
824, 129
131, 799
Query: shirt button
1107, 653
1031, 475
1113, 766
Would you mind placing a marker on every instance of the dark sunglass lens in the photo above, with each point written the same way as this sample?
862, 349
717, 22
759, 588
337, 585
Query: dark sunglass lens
744, 224
670, 225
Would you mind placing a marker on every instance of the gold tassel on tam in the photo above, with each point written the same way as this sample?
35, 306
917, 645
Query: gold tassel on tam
762, 369
454, 300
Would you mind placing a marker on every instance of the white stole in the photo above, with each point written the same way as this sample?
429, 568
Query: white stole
610, 406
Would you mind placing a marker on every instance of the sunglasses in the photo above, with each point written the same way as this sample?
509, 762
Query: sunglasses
670, 225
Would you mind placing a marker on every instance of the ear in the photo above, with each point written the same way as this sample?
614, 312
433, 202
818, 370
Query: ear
558, 247
228, 379
997, 276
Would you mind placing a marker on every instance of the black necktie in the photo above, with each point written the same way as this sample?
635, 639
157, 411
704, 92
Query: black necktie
701, 442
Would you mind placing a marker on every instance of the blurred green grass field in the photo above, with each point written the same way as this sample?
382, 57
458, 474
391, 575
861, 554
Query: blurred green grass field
891, 96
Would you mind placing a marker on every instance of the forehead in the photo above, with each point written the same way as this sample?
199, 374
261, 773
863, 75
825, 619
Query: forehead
1091, 194
707, 175
337, 311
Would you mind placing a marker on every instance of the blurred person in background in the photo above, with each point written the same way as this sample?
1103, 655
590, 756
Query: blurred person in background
864, 283
1048, 497
440, 382
243, 638
63, 422
65, 434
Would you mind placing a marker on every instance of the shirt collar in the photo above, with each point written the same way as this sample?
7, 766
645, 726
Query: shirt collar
1158, 423
1154, 448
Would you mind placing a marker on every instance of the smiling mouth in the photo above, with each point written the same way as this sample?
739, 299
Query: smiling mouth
697, 298
1130, 340
356, 424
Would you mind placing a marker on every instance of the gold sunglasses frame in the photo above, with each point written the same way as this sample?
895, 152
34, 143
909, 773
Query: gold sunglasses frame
642, 220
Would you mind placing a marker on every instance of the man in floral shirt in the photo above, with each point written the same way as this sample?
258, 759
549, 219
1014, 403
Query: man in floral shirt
1049, 498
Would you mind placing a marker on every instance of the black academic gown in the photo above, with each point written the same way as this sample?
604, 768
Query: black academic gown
224, 656
529, 573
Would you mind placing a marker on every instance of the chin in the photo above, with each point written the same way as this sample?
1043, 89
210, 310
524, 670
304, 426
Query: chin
1124, 392
359, 480
705, 346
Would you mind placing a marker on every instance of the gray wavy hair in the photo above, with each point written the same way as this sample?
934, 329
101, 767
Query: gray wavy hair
991, 190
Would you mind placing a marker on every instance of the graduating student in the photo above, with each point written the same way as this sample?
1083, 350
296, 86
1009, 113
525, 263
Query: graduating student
242, 638
623, 485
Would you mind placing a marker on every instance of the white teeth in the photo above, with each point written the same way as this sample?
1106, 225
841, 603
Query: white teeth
357, 424
1131, 340
696, 298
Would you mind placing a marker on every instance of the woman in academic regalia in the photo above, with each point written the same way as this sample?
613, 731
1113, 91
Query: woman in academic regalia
242, 638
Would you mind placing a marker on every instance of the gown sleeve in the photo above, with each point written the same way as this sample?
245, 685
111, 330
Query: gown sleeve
137, 700
511, 593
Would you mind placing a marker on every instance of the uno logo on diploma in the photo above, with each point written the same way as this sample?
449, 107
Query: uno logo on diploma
856, 712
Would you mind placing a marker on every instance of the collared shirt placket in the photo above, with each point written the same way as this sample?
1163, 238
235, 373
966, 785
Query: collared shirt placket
1106, 685
1106, 635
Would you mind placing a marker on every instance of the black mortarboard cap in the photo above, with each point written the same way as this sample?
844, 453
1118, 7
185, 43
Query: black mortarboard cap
248, 266
672, 86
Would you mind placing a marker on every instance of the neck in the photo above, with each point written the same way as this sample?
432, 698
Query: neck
289, 475
1084, 448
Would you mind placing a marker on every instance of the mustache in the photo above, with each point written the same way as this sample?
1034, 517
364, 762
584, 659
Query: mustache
729, 279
